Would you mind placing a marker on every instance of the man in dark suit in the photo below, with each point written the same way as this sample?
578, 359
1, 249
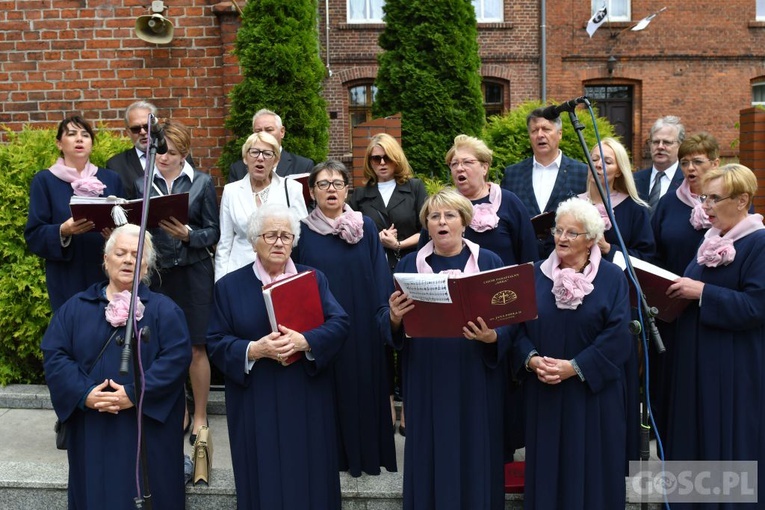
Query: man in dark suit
667, 133
289, 164
548, 177
130, 164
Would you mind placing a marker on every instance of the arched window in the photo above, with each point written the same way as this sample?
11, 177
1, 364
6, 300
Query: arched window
493, 97
361, 96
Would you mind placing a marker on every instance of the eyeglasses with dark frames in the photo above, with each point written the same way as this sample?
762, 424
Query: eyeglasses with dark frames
337, 184
271, 237
256, 153
136, 130
377, 159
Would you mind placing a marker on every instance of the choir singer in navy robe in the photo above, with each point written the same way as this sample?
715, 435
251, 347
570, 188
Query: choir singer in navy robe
81, 357
453, 457
281, 419
575, 355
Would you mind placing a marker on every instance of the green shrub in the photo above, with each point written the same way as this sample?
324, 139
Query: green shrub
508, 136
278, 50
24, 307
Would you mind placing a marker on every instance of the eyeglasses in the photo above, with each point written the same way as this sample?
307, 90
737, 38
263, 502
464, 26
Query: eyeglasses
666, 143
255, 153
271, 237
136, 130
337, 184
697, 162
448, 216
565, 234
714, 199
466, 163
379, 158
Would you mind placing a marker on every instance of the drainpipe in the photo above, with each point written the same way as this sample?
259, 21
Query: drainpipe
543, 49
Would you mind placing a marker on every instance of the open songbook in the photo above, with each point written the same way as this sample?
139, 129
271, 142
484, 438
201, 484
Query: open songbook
444, 303
111, 211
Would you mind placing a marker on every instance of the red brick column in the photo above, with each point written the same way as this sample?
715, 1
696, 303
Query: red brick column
361, 135
752, 148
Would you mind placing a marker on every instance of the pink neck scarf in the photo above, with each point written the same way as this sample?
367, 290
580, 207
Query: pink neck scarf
718, 250
569, 286
699, 218
84, 184
349, 226
470, 268
265, 278
485, 215
118, 308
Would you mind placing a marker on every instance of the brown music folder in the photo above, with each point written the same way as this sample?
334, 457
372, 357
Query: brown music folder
100, 210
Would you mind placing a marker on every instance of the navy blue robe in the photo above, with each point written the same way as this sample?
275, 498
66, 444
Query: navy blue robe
102, 446
635, 226
576, 431
281, 420
71, 269
454, 393
717, 405
360, 279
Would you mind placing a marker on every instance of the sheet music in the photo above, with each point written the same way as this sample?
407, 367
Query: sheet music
428, 288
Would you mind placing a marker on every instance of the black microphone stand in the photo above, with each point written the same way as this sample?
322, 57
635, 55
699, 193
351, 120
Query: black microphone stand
143, 498
649, 313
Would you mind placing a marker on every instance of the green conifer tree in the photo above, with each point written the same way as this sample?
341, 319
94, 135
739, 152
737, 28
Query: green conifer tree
430, 72
278, 50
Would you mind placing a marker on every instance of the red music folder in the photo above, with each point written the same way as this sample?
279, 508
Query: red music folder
445, 303
303, 180
294, 302
99, 209
654, 281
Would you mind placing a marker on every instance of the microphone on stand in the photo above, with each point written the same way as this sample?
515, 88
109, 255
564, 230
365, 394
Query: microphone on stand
158, 134
553, 112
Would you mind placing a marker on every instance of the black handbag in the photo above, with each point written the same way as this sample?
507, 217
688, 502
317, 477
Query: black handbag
60, 427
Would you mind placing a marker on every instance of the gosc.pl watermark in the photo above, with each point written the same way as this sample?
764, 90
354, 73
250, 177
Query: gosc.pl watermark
692, 482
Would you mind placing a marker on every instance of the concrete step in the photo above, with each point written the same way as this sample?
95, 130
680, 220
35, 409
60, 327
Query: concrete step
33, 473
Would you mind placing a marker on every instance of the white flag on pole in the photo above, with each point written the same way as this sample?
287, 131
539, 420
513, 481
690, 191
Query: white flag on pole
645, 21
597, 19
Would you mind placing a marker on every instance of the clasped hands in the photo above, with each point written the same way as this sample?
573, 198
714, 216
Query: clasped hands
278, 346
108, 397
551, 370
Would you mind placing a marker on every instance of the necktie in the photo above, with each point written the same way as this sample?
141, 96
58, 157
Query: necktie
655, 195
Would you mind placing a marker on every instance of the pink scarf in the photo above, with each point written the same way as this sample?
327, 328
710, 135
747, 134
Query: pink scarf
617, 197
84, 184
569, 286
699, 218
718, 250
118, 308
265, 278
349, 226
485, 215
470, 268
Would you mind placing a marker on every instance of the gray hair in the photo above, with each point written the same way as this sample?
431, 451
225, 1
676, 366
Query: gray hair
143, 105
149, 254
669, 121
585, 213
270, 211
538, 113
266, 111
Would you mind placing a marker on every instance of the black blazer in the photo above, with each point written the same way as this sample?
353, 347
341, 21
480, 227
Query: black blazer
403, 210
643, 182
289, 164
128, 166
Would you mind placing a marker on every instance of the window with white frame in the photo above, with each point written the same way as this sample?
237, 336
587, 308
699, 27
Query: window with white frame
365, 11
487, 11
760, 10
758, 93
618, 10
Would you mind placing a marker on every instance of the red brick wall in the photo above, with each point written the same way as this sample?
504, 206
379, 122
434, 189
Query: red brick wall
752, 149
361, 135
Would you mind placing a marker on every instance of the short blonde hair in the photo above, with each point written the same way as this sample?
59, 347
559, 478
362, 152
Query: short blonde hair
265, 138
475, 145
737, 179
451, 199
179, 135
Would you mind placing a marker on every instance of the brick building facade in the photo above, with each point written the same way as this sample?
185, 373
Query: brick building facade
702, 61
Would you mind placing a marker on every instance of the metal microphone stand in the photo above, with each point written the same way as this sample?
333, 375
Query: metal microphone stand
649, 313
143, 498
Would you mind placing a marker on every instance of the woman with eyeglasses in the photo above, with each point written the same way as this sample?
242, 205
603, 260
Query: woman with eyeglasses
574, 358
392, 197
454, 386
344, 245
281, 419
630, 211
717, 403
72, 249
679, 223
243, 197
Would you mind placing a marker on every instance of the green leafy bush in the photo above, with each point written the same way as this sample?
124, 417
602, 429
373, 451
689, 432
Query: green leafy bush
508, 136
24, 307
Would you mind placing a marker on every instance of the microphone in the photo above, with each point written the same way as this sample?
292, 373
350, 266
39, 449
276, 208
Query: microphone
158, 135
554, 111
